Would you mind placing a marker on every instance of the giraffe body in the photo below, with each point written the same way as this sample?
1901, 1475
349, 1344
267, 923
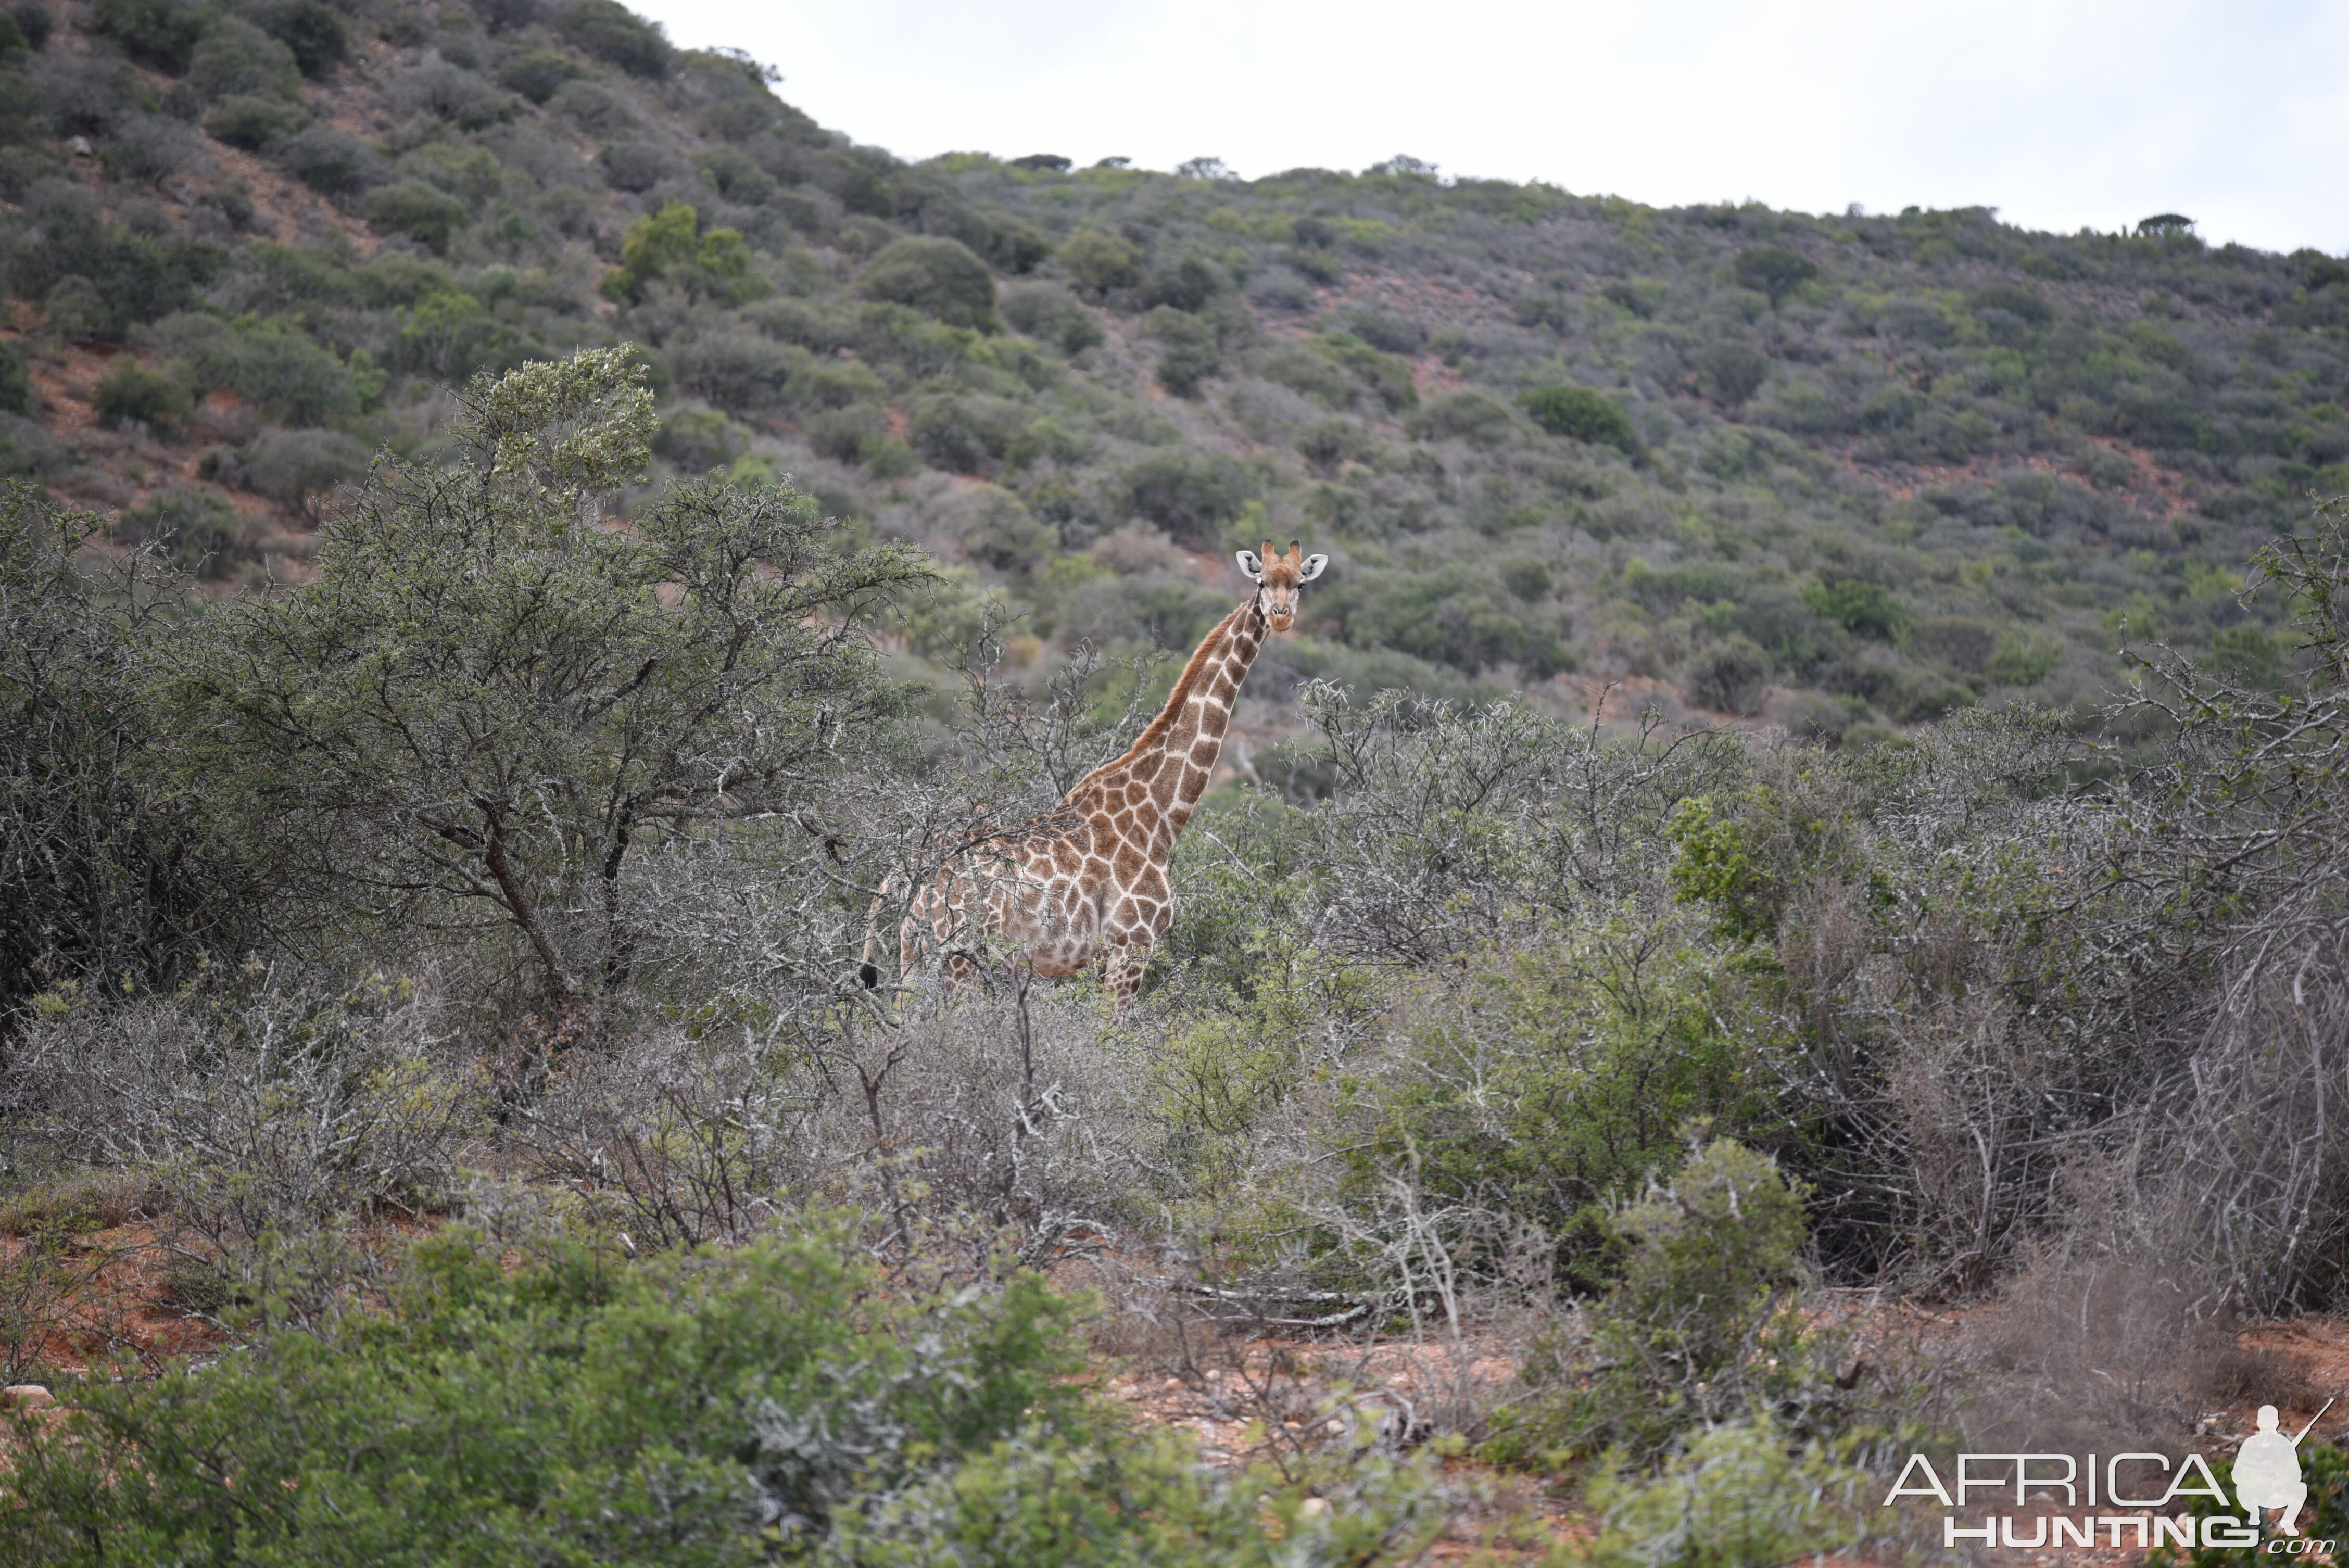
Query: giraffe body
1086, 885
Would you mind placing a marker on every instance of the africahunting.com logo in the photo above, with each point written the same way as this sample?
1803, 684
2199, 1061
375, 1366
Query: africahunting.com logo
2159, 1495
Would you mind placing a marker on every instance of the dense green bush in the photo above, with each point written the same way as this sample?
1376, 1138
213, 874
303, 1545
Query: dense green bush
1582, 413
1733, 372
938, 277
770, 1402
1099, 263
700, 440
1190, 495
612, 33
1774, 270
1049, 312
330, 161
159, 33
251, 123
539, 74
418, 210
1452, 614
15, 382
130, 391
194, 530
237, 58
312, 29
1465, 415
272, 365
296, 467
1192, 354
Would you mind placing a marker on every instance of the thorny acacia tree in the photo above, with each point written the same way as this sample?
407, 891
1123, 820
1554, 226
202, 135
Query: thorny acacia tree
493, 692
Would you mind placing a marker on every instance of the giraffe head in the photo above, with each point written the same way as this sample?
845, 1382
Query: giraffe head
1278, 580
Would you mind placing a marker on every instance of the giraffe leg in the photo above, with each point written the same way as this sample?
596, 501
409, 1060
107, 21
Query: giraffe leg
1123, 969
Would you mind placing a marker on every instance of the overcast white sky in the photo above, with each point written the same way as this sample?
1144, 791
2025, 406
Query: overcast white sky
2061, 113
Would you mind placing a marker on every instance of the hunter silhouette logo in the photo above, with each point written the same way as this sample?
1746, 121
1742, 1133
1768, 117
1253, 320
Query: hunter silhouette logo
2267, 1471
2139, 1500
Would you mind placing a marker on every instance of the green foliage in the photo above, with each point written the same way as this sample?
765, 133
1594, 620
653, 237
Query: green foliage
1582, 413
1774, 270
610, 32
1731, 678
445, 598
159, 33
773, 1401
412, 207
1467, 415
111, 876
1698, 1331
15, 380
652, 245
700, 440
1452, 615
296, 467
539, 74
1192, 352
237, 58
1141, 1501
1733, 372
1051, 313
940, 278
731, 1397
194, 530
250, 123
312, 29
1385, 376
115, 276
330, 161
131, 391
1190, 495
1099, 263
1560, 1073
272, 365
1741, 1495
1868, 609
1746, 865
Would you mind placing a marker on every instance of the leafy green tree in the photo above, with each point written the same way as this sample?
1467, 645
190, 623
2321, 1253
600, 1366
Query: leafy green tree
1582, 413
668, 243
489, 697
423, 212
612, 33
1868, 609
132, 392
235, 56
1774, 270
938, 277
1733, 371
158, 33
1098, 263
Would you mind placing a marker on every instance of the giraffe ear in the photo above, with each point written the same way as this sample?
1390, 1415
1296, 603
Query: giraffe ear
1313, 565
1251, 565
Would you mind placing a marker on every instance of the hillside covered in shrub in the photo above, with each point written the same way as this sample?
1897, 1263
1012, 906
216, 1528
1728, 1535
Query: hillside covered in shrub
1846, 470
522, 557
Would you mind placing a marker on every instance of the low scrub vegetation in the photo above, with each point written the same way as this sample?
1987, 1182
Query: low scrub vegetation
494, 1057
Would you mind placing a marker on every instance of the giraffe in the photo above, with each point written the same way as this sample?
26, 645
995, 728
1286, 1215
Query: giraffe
1085, 886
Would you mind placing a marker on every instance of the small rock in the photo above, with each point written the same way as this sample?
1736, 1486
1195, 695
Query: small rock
78, 146
25, 1397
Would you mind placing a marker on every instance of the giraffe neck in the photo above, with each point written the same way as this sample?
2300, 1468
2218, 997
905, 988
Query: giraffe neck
1175, 758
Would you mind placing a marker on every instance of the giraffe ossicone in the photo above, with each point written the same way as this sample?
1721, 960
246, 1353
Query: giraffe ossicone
1085, 886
